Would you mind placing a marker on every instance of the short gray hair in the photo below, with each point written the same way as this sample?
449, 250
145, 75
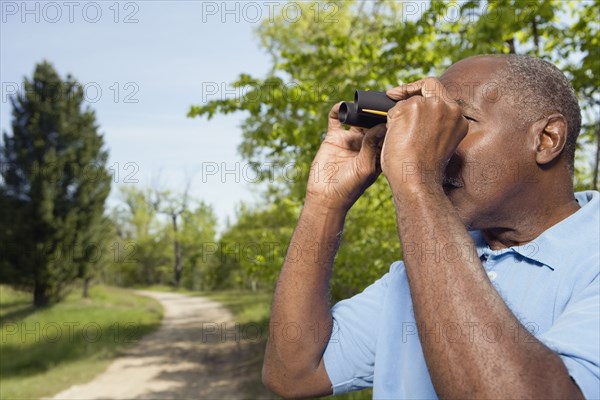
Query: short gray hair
538, 89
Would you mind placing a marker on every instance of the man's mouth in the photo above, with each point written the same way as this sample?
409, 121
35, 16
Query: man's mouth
452, 183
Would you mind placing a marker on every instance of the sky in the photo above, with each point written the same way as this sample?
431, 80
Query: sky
142, 65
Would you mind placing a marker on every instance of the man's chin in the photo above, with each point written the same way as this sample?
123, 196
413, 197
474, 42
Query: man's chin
462, 208
454, 195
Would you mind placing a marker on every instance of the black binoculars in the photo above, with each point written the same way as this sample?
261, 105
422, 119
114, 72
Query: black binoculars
368, 109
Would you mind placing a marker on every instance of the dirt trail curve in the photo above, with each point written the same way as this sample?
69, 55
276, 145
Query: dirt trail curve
177, 362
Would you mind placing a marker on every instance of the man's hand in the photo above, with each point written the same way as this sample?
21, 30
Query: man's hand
424, 129
345, 166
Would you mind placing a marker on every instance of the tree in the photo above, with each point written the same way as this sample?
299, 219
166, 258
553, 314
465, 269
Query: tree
252, 250
197, 236
583, 36
322, 57
173, 205
54, 185
333, 48
141, 244
147, 244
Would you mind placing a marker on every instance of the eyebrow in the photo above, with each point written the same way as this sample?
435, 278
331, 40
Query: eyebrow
466, 105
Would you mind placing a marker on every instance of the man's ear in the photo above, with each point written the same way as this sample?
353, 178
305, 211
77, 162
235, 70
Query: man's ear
550, 138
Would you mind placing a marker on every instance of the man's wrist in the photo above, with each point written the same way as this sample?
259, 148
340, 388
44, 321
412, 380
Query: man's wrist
415, 182
414, 173
320, 209
318, 233
410, 188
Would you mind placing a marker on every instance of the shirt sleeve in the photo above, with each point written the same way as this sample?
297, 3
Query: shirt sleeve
575, 336
349, 357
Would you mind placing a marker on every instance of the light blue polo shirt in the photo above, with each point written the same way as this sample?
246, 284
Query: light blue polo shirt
551, 285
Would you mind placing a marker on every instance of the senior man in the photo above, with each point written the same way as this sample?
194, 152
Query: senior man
498, 293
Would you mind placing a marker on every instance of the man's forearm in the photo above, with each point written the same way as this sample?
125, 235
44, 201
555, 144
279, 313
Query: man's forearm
449, 288
300, 317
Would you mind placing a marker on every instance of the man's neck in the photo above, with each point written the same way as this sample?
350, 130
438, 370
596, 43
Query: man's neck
544, 215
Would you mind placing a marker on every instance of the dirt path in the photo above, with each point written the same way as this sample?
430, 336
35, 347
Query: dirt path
188, 357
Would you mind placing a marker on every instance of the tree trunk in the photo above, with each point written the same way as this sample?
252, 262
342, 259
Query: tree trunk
536, 36
511, 45
177, 248
597, 160
40, 295
86, 287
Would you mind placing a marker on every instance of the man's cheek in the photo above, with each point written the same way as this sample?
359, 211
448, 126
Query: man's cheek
491, 173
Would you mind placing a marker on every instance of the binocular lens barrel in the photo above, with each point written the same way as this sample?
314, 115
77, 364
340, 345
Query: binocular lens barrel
353, 113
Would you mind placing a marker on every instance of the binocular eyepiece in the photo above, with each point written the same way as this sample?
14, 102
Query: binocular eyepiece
368, 109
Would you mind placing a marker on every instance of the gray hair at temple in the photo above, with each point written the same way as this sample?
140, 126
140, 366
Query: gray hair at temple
539, 89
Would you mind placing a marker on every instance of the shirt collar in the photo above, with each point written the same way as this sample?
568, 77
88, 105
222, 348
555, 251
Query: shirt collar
577, 233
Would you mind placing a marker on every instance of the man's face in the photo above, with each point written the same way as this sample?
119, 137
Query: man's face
493, 165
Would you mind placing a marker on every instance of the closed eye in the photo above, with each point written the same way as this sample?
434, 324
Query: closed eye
470, 118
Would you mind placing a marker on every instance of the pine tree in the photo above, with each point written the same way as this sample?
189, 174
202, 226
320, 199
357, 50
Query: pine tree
53, 188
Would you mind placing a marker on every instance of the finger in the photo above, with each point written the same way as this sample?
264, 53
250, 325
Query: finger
432, 87
426, 87
359, 130
399, 109
354, 138
348, 139
405, 90
368, 157
351, 138
334, 122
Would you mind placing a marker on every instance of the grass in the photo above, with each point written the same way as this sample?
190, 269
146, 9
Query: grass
247, 307
45, 351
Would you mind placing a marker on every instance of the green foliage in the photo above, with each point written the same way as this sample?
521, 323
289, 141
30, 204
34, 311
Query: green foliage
47, 350
142, 244
54, 185
369, 243
251, 252
337, 47
197, 236
583, 36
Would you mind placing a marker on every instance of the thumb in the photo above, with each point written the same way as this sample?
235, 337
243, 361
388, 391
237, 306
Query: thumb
368, 156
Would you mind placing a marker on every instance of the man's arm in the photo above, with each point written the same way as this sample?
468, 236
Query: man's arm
293, 365
450, 291
301, 321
